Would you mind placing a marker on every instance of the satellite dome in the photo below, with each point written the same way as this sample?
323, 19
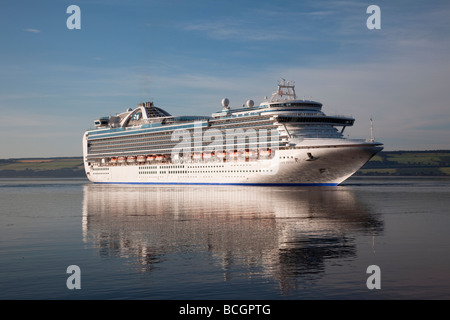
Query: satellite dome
250, 103
225, 102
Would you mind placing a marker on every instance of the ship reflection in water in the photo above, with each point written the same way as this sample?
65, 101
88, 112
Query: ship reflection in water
279, 233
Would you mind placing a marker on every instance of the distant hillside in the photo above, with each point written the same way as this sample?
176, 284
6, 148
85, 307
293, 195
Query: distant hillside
408, 163
42, 168
386, 163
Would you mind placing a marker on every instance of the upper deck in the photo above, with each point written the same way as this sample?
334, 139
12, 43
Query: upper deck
283, 107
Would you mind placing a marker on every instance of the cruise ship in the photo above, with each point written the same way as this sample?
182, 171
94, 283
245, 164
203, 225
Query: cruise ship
282, 141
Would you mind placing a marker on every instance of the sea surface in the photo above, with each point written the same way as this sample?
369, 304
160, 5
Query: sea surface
225, 242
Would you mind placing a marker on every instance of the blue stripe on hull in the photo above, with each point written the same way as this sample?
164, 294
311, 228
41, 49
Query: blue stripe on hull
228, 184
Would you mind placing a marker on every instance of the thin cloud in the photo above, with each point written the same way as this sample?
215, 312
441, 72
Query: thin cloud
242, 31
26, 95
32, 30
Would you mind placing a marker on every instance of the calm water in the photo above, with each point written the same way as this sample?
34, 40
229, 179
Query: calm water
214, 242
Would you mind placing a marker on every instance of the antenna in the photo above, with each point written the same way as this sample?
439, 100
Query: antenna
372, 139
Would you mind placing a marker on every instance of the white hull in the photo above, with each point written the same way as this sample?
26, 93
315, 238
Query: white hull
283, 141
331, 165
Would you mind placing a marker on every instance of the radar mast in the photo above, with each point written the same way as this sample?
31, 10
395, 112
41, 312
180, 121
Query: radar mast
286, 91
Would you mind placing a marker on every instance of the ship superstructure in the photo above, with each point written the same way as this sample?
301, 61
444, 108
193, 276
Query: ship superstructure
282, 141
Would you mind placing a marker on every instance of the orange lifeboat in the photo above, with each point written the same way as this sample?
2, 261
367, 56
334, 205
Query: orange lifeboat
141, 158
160, 158
221, 154
131, 159
266, 152
151, 158
208, 155
114, 160
249, 153
121, 159
234, 154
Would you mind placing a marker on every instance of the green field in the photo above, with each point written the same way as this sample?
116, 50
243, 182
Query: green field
41, 164
42, 167
408, 163
386, 163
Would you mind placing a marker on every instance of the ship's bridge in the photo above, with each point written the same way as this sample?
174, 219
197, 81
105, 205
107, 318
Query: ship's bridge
296, 104
285, 96
283, 100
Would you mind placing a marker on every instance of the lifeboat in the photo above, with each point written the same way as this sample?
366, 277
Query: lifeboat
160, 157
121, 159
265, 153
131, 159
113, 160
208, 155
151, 158
249, 154
197, 156
141, 158
221, 154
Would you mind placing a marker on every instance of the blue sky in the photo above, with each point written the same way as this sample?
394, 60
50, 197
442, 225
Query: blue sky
188, 55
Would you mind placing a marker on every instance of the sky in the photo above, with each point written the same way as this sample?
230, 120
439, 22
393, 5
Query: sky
186, 56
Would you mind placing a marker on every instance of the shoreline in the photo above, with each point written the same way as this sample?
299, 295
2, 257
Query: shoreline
386, 163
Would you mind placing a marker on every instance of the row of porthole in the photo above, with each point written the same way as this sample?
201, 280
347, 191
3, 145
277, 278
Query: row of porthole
187, 172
